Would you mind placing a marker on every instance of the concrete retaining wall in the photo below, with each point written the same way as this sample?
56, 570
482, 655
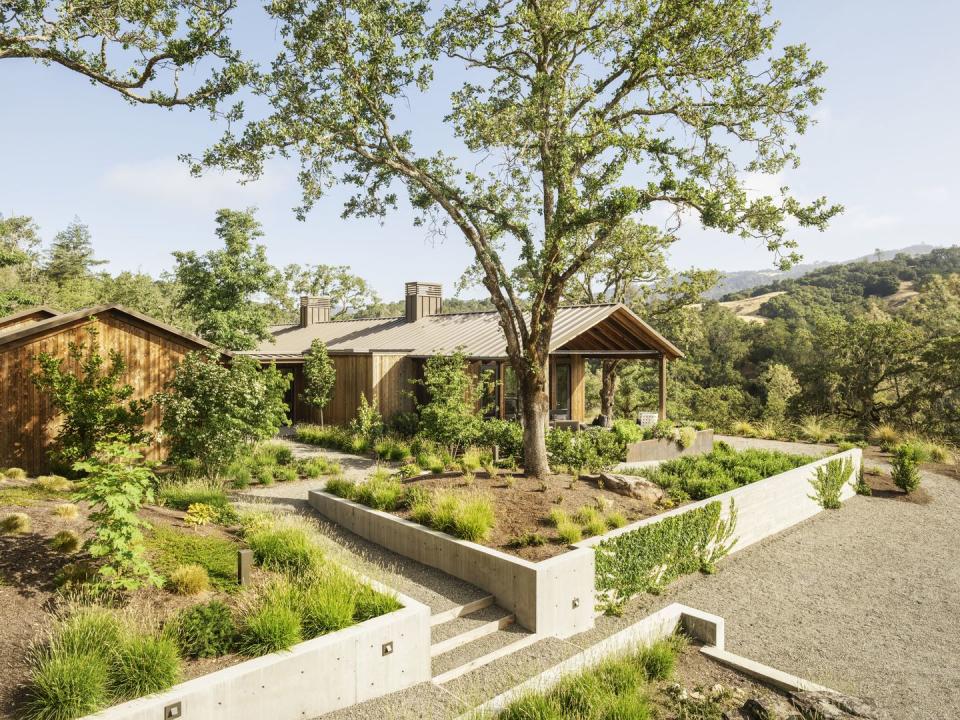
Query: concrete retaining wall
659, 449
553, 597
318, 676
763, 508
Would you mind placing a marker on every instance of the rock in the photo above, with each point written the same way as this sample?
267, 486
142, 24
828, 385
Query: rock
633, 486
820, 705
754, 709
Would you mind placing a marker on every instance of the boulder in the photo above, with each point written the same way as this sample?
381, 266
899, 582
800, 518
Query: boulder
633, 486
828, 705
755, 709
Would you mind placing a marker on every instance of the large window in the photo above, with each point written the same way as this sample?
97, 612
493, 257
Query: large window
511, 393
561, 392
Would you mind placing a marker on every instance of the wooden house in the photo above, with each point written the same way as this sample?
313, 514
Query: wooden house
378, 357
28, 421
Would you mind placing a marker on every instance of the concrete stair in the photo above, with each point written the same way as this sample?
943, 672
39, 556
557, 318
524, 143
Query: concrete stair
470, 636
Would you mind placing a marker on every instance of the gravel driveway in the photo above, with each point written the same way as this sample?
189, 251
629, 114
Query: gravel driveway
865, 599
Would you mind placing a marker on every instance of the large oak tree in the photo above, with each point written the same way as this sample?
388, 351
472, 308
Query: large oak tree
570, 116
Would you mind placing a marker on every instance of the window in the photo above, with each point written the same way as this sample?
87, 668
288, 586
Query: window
561, 394
490, 397
511, 393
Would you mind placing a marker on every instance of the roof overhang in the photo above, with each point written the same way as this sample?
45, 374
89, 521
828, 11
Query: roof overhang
617, 333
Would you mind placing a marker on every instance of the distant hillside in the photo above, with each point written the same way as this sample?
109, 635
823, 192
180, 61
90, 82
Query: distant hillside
747, 280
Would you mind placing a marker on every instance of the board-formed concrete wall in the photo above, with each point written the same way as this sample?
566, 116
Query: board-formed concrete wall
763, 508
317, 676
552, 597
662, 449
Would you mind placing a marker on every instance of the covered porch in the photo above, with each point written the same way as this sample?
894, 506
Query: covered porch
617, 335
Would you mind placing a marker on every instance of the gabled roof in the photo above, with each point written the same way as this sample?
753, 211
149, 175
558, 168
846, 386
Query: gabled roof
59, 320
22, 316
584, 329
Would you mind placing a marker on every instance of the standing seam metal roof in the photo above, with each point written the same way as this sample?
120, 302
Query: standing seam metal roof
478, 334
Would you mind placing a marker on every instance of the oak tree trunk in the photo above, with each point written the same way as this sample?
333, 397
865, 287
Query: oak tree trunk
535, 407
608, 389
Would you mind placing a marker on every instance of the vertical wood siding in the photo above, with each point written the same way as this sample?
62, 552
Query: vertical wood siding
354, 376
29, 424
391, 383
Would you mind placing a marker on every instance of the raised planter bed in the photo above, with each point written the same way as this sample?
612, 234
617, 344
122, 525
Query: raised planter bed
374, 658
662, 449
557, 596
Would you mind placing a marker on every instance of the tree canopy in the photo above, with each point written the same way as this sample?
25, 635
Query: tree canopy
140, 50
573, 116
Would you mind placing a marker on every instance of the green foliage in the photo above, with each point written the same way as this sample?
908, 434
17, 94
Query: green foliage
222, 290
205, 630
201, 514
662, 429
273, 624
507, 435
652, 556
320, 376
181, 495
342, 487
143, 664
528, 539
780, 387
65, 541
54, 483
15, 473
906, 467
95, 404
190, 580
829, 481
170, 548
468, 516
569, 532
329, 603
380, 493
702, 476
367, 424
452, 415
285, 548
15, 524
627, 431
115, 486
594, 449
658, 660
65, 687
862, 487
686, 436
212, 411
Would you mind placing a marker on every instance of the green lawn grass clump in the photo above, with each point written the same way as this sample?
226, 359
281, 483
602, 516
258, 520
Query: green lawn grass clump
93, 659
170, 549
27, 495
285, 548
697, 477
468, 516
618, 687
181, 495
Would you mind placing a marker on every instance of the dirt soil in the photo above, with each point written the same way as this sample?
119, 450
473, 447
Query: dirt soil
522, 505
29, 599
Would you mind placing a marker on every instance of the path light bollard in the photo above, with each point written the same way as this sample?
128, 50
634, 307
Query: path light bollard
244, 566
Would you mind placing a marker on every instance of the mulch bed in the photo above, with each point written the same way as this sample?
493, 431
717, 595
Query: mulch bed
524, 505
29, 599
882, 486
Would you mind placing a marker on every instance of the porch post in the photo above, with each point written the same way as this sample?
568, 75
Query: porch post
663, 387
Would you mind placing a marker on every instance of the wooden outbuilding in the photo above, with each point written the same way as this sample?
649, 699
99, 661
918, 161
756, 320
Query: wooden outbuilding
378, 357
28, 421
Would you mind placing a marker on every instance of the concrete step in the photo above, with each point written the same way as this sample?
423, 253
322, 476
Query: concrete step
439, 618
482, 651
468, 628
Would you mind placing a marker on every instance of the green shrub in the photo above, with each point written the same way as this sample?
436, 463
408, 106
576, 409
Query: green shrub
652, 556
318, 467
181, 496
54, 483
143, 664
190, 580
90, 631
342, 487
370, 603
66, 686
273, 453
586, 514
906, 471
65, 541
662, 429
596, 526
861, 487
627, 431
285, 474
686, 436
285, 548
329, 603
474, 519
205, 630
658, 660
558, 516
116, 484
240, 478
16, 523
743, 429
264, 475
273, 624
170, 548
380, 493
408, 471
201, 514
367, 423
829, 481
616, 520
569, 532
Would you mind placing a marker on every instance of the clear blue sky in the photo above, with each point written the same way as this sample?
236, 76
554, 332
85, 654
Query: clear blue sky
886, 146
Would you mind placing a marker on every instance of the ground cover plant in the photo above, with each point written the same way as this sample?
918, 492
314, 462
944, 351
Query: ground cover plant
703, 476
829, 481
652, 556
